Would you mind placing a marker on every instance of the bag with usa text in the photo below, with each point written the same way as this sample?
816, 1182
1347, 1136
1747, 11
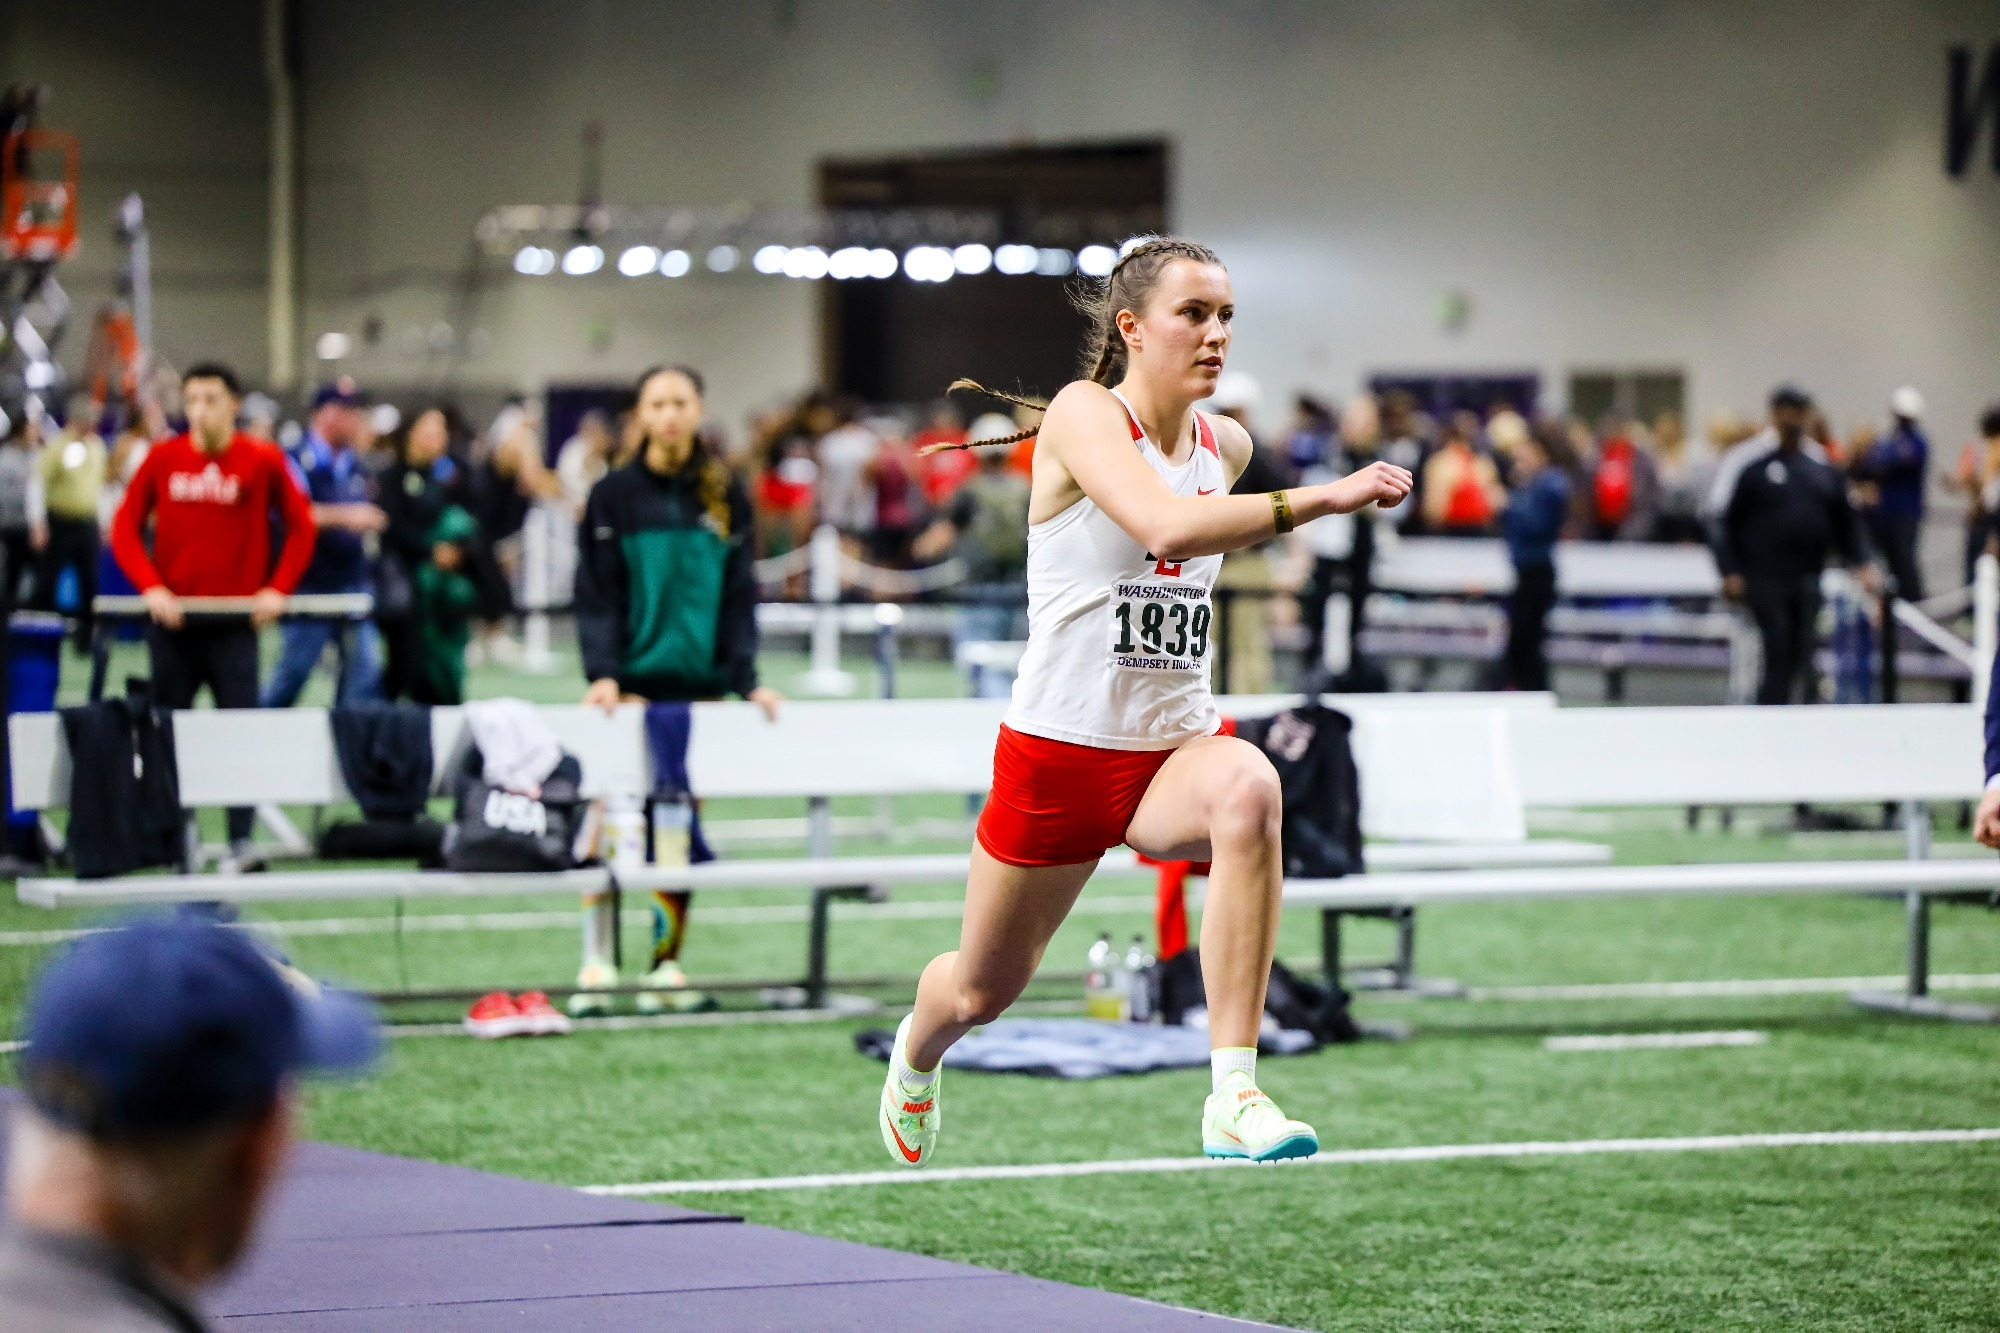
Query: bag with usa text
494, 829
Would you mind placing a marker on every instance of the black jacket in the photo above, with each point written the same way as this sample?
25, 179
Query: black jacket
385, 757
124, 791
665, 603
412, 499
1787, 513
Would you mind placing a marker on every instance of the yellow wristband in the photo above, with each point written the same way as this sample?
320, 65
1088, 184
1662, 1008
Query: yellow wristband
1281, 512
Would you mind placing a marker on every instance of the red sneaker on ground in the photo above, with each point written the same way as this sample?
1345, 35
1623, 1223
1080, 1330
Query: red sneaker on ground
496, 1015
538, 1017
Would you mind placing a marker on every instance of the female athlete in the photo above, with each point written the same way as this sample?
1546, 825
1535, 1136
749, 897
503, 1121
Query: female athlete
1112, 734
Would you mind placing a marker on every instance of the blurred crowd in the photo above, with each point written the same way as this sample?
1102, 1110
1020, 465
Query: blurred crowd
426, 511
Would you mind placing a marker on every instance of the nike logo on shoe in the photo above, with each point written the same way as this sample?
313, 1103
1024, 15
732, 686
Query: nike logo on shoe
909, 1154
916, 1108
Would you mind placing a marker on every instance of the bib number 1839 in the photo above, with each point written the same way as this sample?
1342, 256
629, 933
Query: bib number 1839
1159, 631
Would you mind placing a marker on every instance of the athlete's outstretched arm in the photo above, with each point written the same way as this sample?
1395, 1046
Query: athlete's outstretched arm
1086, 430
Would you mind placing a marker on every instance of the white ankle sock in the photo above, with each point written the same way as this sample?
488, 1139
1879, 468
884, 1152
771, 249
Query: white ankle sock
910, 1080
1226, 1060
598, 926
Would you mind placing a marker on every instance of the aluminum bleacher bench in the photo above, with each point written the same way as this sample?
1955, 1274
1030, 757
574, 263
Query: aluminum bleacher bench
817, 751
1613, 757
1458, 775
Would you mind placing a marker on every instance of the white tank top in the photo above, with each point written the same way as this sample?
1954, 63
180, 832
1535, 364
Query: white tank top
1118, 639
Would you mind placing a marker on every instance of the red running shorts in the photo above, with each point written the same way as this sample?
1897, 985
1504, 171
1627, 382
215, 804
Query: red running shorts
1058, 804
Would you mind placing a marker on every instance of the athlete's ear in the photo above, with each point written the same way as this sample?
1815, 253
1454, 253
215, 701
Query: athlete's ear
1128, 329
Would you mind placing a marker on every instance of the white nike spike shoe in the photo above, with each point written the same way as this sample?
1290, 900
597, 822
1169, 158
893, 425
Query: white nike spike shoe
909, 1122
1240, 1121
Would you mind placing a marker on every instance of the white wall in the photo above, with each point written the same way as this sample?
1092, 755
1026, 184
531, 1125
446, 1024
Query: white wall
1753, 191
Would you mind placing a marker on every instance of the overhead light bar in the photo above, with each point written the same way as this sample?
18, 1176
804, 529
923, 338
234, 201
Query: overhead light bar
928, 263
808, 262
638, 261
926, 245
1015, 259
1096, 261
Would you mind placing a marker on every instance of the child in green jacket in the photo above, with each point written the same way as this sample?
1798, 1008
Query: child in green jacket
446, 600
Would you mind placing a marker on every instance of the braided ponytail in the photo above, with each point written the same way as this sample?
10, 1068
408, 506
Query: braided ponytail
974, 386
1129, 286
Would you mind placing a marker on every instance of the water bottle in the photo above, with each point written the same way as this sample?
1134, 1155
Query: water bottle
673, 824
622, 843
1138, 982
1100, 990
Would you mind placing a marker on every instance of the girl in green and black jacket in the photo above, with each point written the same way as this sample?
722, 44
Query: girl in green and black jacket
666, 611
666, 595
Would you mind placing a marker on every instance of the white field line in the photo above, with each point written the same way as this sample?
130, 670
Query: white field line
1653, 1041
1443, 1152
1677, 990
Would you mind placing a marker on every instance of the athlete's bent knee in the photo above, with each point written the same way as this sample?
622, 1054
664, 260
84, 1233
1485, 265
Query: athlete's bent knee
1248, 799
983, 1004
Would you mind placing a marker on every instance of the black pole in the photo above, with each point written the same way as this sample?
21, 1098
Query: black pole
1223, 598
1890, 685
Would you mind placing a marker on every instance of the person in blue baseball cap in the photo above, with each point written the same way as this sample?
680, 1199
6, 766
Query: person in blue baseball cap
328, 469
151, 1134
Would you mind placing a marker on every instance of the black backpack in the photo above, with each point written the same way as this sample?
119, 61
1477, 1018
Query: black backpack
1294, 1001
494, 829
1308, 745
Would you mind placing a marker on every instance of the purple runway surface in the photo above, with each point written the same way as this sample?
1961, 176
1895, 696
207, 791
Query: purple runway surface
359, 1242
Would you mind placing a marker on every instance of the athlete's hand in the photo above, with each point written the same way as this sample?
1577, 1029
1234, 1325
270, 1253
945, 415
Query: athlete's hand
265, 607
1379, 483
1986, 824
163, 606
602, 694
767, 699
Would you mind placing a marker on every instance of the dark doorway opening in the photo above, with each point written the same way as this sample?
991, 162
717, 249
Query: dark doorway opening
1442, 395
898, 341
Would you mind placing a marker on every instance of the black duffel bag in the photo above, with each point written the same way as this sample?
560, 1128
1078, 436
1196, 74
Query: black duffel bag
494, 829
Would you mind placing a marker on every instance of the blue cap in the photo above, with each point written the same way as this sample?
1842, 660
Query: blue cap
175, 1025
341, 391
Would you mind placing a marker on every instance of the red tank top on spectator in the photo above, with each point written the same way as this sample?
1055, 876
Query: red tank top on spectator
1467, 506
212, 520
1613, 482
943, 473
783, 496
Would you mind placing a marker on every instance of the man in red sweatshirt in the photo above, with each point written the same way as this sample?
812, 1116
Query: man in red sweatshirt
211, 493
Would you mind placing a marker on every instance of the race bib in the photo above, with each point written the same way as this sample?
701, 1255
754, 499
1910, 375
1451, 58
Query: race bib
1159, 625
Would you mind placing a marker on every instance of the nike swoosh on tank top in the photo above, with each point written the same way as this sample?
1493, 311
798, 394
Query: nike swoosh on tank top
1120, 641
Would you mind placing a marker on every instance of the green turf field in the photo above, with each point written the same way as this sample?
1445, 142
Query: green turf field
1826, 1237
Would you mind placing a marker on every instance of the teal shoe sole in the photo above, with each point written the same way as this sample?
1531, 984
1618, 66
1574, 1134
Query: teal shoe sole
1299, 1145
